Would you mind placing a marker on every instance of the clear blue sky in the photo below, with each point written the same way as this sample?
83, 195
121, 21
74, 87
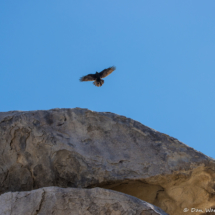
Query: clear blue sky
164, 52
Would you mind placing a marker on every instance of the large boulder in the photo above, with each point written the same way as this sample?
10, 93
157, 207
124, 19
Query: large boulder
74, 201
85, 149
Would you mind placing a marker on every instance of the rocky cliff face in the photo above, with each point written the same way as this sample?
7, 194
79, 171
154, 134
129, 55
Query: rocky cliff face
84, 149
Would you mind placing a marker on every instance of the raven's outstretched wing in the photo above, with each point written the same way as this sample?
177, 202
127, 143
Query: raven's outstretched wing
90, 77
104, 73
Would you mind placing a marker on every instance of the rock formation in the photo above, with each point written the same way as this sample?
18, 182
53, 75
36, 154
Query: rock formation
84, 149
75, 201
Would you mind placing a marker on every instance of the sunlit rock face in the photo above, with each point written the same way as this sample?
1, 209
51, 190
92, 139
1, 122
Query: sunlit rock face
84, 149
74, 201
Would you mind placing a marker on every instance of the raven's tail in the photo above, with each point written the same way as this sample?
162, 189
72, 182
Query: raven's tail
98, 83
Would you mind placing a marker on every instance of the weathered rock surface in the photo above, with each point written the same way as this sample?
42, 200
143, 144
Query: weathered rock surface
74, 201
82, 148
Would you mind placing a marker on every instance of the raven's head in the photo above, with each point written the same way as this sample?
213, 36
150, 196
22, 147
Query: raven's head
97, 75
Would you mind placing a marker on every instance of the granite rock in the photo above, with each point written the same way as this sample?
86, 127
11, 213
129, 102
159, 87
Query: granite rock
74, 201
85, 149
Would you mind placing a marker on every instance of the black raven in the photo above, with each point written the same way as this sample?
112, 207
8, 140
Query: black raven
97, 77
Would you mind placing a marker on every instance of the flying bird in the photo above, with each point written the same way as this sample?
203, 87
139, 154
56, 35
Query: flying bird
97, 77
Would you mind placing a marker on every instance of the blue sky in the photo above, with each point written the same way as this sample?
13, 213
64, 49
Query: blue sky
164, 52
